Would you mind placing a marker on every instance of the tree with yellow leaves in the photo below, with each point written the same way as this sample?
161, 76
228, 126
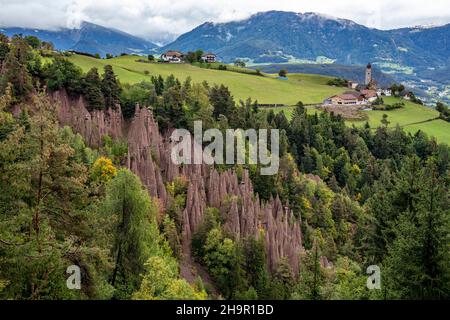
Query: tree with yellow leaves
103, 169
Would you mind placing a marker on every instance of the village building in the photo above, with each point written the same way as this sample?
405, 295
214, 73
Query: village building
327, 101
209, 57
361, 87
364, 94
405, 95
385, 91
352, 85
172, 57
347, 99
369, 95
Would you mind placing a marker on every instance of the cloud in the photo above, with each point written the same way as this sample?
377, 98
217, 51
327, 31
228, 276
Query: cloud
162, 20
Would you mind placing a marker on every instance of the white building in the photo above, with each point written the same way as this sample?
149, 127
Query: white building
209, 57
384, 92
352, 85
369, 95
347, 99
172, 57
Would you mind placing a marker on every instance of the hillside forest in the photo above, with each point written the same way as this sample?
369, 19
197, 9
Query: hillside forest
104, 197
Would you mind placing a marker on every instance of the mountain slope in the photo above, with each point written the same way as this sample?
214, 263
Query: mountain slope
355, 73
409, 55
276, 37
90, 38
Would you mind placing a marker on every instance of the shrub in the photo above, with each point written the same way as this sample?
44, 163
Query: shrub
338, 82
283, 73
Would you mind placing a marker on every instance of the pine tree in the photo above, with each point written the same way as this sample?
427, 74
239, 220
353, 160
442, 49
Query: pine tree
45, 225
282, 281
255, 264
312, 275
222, 101
377, 230
110, 87
15, 69
92, 90
4, 48
224, 261
128, 205
417, 265
158, 82
63, 74
173, 111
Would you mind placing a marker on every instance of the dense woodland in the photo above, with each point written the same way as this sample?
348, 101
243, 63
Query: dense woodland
381, 197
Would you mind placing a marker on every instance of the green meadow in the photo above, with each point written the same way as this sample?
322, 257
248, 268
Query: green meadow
439, 129
267, 89
411, 118
411, 113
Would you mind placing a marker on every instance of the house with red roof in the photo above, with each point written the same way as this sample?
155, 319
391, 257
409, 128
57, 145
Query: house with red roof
209, 57
172, 56
347, 99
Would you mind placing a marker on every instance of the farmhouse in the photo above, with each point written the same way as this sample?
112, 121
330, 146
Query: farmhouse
405, 95
348, 98
172, 57
209, 57
369, 95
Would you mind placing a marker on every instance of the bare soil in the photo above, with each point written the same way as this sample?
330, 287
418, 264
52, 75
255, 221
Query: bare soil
347, 112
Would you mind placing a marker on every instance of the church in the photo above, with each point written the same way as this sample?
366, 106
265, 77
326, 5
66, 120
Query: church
370, 84
364, 94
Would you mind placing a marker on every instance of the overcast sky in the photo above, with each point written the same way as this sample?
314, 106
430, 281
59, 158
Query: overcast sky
154, 19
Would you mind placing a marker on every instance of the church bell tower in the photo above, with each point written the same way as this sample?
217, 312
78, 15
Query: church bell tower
368, 74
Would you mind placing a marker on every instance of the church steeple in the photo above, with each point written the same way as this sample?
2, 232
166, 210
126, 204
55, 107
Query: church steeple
368, 74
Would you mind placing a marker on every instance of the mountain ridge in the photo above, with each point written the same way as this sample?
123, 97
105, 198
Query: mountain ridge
407, 54
311, 35
416, 56
90, 38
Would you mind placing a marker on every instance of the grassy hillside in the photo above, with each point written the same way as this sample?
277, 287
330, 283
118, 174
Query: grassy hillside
270, 90
412, 117
267, 89
411, 113
439, 129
